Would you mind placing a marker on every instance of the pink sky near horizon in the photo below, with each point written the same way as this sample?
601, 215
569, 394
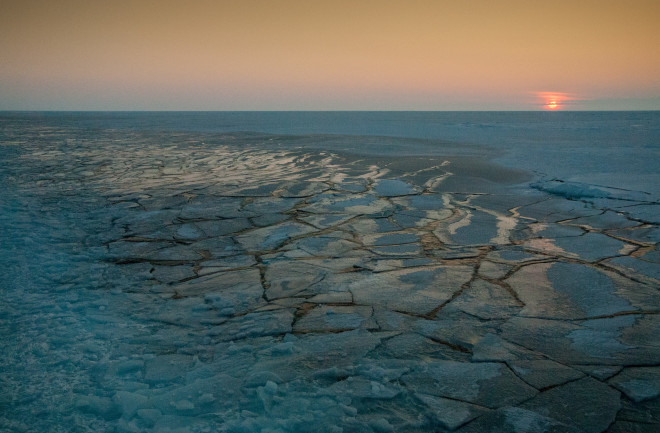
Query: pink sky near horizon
292, 54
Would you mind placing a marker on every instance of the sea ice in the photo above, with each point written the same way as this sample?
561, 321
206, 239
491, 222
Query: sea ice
158, 280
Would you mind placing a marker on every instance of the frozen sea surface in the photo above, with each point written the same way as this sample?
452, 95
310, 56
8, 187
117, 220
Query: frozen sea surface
329, 272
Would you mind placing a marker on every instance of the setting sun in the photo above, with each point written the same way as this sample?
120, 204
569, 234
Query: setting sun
555, 100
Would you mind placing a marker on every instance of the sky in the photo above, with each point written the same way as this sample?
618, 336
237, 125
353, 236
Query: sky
329, 55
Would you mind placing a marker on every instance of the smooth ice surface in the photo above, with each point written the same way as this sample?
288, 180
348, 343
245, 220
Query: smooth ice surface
329, 272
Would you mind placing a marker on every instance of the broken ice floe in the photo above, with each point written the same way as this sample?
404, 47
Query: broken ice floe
239, 289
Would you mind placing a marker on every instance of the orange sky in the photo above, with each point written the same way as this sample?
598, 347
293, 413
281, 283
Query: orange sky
318, 54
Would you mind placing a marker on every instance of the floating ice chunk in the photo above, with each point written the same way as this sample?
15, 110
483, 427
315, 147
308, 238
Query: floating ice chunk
638, 383
411, 290
286, 278
593, 407
544, 373
567, 290
336, 318
188, 232
179, 253
594, 292
216, 247
145, 223
649, 213
413, 347
269, 219
486, 301
272, 237
517, 420
339, 349
487, 384
450, 414
600, 372
223, 227
557, 209
134, 250
600, 337
171, 274
335, 244
592, 246
224, 264
493, 270
240, 289
555, 231
607, 220
332, 298
477, 228
383, 370
254, 325
359, 387
492, 348
641, 268
398, 250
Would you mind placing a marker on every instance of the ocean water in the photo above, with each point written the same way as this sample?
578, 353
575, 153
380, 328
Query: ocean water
328, 271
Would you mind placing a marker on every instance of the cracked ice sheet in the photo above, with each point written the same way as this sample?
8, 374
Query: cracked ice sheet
410, 290
309, 326
486, 384
574, 291
622, 340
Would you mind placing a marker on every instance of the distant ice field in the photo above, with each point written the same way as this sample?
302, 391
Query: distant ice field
616, 149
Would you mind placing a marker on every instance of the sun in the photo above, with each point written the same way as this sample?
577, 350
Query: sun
555, 101
552, 105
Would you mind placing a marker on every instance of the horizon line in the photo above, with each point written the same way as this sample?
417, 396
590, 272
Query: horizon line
316, 110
